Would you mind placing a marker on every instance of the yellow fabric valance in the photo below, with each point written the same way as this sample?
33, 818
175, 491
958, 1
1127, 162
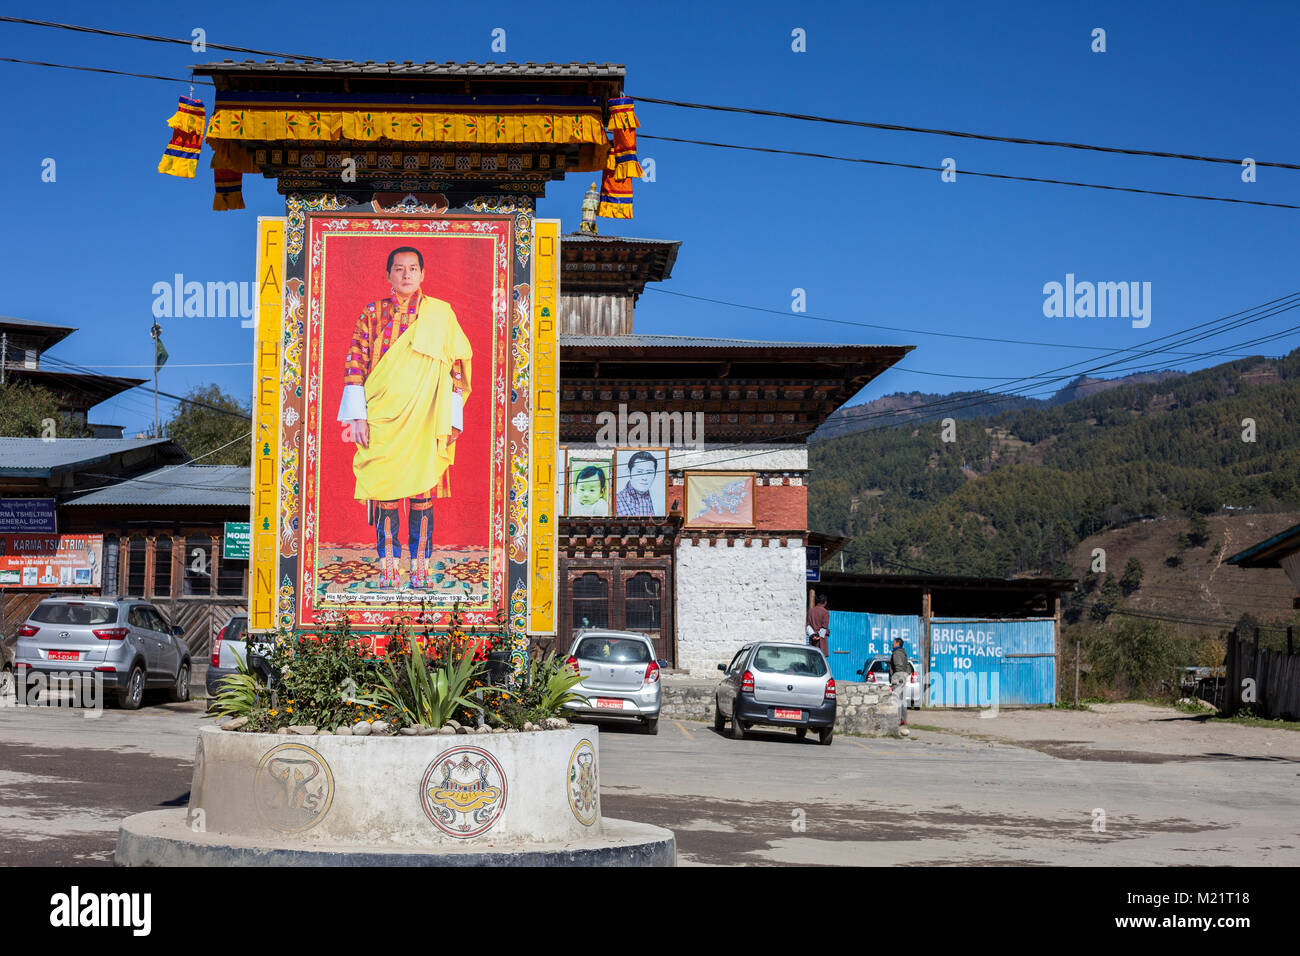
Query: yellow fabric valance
483, 128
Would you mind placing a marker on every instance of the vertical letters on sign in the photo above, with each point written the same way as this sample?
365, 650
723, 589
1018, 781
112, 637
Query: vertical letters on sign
264, 549
544, 429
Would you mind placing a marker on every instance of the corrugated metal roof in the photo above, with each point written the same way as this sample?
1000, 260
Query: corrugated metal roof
179, 485
32, 323
588, 237
430, 68
20, 456
695, 342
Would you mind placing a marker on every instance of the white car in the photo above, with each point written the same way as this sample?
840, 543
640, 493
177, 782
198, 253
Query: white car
877, 672
620, 677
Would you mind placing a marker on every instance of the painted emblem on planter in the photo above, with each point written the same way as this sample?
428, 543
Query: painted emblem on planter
464, 791
293, 788
584, 790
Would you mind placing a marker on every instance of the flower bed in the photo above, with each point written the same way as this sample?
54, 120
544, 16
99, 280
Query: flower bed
412, 682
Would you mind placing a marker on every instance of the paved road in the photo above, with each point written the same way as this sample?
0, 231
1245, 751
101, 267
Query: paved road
941, 797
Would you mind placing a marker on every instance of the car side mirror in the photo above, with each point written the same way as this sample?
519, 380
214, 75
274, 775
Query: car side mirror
723, 668
177, 630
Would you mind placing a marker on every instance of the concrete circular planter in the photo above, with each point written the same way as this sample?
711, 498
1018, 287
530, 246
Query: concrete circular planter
525, 797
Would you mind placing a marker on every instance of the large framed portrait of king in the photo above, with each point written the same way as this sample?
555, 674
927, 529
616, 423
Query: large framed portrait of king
407, 366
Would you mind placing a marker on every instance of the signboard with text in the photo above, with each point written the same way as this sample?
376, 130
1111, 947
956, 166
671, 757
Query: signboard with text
234, 544
51, 560
28, 516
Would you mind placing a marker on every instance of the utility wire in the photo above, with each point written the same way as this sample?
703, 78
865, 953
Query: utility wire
805, 117
96, 69
81, 369
969, 172
154, 39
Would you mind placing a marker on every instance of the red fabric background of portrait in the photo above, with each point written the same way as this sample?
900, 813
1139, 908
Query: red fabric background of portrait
458, 270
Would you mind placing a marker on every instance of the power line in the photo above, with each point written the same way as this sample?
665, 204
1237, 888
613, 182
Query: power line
81, 369
969, 172
96, 69
154, 39
806, 117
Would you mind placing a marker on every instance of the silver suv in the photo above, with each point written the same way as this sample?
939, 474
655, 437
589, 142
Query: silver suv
124, 642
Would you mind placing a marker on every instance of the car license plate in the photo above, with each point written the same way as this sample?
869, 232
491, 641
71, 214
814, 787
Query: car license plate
65, 655
783, 714
608, 704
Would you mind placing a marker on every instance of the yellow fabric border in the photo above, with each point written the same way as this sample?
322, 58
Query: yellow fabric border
486, 128
175, 166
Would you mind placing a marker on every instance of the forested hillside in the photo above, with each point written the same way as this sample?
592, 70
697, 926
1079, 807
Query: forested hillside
1017, 491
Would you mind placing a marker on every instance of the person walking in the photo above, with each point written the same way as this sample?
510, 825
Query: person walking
900, 673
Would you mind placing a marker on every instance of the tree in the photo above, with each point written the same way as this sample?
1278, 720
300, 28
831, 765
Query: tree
1132, 579
29, 411
211, 426
1110, 598
1200, 531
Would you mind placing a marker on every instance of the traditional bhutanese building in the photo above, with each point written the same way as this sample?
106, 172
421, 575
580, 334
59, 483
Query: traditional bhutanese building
698, 593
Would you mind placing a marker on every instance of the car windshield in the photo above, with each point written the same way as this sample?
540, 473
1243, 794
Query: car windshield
618, 650
75, 614
793, 660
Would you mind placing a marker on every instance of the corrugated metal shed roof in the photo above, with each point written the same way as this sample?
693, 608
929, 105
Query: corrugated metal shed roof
588, 237
32, 323
179, 485
430, 68
33, 456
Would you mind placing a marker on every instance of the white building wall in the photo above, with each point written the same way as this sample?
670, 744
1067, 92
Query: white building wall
728, 596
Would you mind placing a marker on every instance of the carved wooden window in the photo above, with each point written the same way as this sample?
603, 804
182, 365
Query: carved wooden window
135, 562
590, 601
643, 602
162, 566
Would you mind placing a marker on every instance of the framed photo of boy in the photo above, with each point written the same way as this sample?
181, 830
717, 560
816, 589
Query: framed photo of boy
719, 499
641, 477
589, 484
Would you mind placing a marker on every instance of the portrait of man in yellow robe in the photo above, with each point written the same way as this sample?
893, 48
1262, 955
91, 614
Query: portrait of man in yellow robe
406, 381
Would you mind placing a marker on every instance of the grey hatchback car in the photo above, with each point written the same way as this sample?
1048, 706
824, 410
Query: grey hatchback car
784, 685
124, 642
620, 677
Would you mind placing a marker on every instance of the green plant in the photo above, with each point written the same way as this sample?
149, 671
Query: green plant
426, 695
238, 694
545, 686
322, 678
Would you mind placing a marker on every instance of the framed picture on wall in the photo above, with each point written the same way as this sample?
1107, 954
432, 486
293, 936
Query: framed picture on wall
641, 477
589, 483
720, 499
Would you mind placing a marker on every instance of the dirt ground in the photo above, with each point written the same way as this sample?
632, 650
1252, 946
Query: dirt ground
1136, 733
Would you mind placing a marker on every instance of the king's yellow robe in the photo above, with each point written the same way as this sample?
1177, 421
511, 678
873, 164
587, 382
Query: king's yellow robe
409, 409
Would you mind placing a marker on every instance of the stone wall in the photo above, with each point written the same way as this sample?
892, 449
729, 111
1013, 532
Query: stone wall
861, 708
730, 593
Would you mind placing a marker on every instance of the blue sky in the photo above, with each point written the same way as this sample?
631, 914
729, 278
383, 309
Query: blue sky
868, 244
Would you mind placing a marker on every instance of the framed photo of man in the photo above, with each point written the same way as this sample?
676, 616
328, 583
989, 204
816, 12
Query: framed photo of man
719, 499
641, 482
589, 484
403, 502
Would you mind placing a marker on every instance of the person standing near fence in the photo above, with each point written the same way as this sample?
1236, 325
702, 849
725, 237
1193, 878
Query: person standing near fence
900, 673
818, 625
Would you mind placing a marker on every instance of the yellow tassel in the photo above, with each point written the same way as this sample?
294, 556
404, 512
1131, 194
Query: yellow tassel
175, 166
628, 170
608, 210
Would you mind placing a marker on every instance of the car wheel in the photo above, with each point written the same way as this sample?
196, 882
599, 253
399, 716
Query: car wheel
6, 680
824, 736
801, 732
29, 690
719, 722
737, 728
181, 689
131, 696
652, 726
